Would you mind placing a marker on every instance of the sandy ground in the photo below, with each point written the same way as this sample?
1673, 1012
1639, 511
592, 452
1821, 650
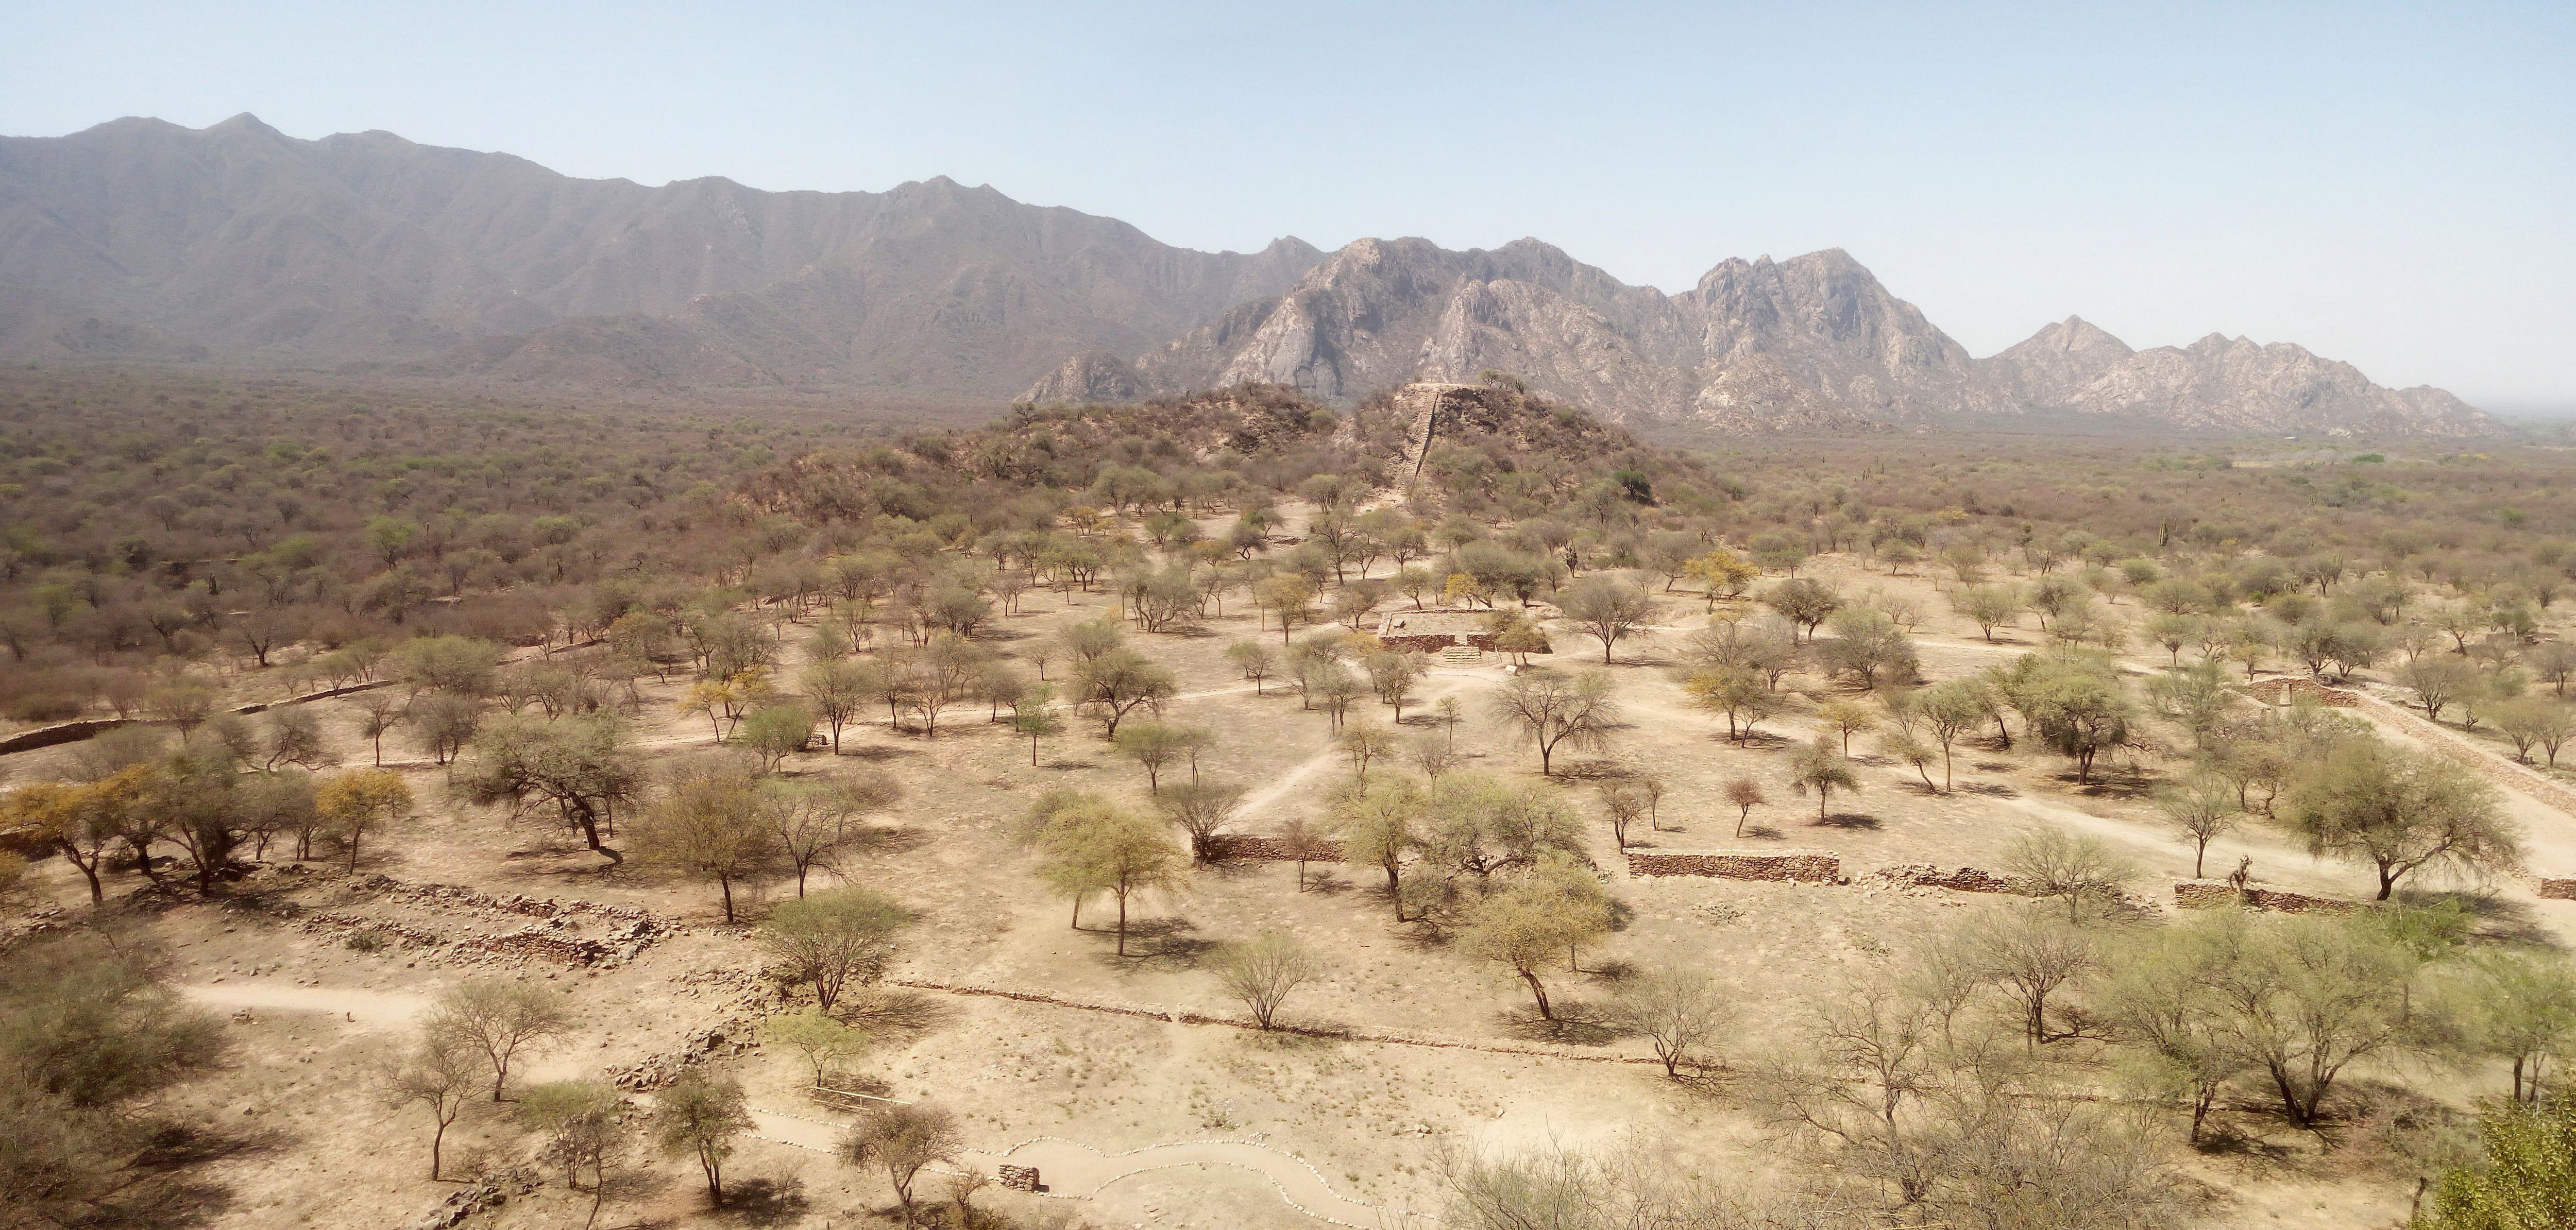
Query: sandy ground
1339, 1128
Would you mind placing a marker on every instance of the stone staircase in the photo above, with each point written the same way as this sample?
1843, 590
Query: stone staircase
1462, 655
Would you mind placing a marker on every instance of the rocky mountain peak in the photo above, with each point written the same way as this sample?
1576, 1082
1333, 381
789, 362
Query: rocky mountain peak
1814, 342
140, 239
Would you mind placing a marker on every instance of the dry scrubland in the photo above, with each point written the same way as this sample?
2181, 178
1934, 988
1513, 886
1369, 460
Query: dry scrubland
682, 578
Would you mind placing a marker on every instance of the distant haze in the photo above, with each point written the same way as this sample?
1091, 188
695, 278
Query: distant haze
2389, 188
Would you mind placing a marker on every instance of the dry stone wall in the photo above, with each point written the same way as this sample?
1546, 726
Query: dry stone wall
1273, 850
557, 933
1802, 866
2219, 894
2286, 689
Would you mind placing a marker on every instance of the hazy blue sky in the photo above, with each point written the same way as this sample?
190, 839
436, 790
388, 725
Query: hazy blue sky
2389, 184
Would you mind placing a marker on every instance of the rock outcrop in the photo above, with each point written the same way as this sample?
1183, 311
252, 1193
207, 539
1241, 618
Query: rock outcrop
2217, 384
1814, 344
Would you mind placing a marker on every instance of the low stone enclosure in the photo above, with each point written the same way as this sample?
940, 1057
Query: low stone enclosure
2558, 889
1439, 628
575, 933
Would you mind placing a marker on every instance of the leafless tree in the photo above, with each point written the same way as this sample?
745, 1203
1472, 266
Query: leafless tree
1263, 971
1677, 1009
1555, 709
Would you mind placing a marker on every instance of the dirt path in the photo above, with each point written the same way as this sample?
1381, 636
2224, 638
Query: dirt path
1075, 1171
1260, 800
1279, 787
373, 1009
2548, 832
1071, 1169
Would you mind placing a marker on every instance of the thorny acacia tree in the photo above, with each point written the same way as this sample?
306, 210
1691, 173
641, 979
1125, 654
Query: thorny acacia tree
1552, 708
904, 1140
2399, 811
498, 1018
830, 940
579, 766
1088, 846
699, 1115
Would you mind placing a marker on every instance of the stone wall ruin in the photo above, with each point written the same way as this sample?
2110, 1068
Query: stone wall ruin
1795, 866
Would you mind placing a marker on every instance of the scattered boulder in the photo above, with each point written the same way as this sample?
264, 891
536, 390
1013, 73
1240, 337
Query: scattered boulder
491, 1193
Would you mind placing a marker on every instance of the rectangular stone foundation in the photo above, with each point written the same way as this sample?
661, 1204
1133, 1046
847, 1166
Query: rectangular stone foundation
1804, 866
2559, 889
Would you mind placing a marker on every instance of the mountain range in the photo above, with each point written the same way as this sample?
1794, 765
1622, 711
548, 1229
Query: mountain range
140, 240
1811, 343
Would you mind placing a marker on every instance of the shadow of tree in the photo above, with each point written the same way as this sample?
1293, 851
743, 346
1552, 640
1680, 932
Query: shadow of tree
1155, 943
169, 1189
1848, 820
2492, 916
1322, 882
895, 1011
636, 1184
1591, 770
765, 1201
1708, 1082
1612, 971
2113, 784
1577, 1023
878, 751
